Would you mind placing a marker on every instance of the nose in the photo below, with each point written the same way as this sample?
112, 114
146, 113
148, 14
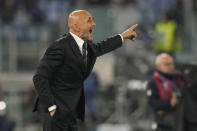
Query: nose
93, 24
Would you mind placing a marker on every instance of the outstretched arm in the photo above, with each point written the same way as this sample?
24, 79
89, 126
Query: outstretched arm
115, 42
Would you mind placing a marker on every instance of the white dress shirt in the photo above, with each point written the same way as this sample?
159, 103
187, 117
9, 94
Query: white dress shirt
78, 40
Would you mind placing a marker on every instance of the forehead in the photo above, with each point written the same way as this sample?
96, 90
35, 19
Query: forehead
87, 15
166, 59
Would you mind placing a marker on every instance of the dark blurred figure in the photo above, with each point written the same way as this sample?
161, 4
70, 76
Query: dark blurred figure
5, 123
123, 2
190, 96
163, 92
1, 6
166, 38
91, 85
177, 12
195, 5
7, 11
1, 94
98, 2
32, 7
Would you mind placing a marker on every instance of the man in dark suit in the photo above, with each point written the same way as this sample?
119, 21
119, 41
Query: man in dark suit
64, 67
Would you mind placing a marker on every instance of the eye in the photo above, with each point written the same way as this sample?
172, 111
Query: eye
89, 20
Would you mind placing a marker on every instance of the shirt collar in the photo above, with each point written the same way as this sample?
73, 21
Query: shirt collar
78, 40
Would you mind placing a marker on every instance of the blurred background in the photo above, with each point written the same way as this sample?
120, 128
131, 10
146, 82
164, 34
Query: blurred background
115, 91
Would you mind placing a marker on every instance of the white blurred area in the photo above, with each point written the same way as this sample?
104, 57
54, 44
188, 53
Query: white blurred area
2, 106
121, 99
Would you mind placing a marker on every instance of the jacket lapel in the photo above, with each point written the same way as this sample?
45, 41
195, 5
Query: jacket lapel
76, 51
91, 58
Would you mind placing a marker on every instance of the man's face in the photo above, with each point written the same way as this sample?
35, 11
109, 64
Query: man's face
166, 65
86, 25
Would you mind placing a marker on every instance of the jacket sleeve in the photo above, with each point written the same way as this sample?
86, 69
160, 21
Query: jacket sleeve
107, 45
51, 61
153, 97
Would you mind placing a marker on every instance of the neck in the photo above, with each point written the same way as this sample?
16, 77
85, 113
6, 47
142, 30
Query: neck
169, 76
76, 33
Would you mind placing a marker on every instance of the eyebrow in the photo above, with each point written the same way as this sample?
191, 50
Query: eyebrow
89, 18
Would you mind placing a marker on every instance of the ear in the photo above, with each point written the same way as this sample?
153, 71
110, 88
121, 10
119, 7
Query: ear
76, 27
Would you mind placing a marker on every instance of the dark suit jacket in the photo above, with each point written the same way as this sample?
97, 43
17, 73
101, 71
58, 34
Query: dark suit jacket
60, 75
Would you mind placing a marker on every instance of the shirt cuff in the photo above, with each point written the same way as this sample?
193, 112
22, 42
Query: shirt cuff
121, 37
51, 108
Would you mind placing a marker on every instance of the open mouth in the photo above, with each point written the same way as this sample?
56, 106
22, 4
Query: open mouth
90, 30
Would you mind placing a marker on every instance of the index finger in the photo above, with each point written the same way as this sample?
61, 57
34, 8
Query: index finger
133, 27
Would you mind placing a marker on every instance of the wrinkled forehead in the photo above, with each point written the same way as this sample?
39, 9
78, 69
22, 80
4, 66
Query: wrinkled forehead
85, 15
163, 58
166, 59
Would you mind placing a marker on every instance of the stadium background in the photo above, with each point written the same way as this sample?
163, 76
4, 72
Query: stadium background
27, 27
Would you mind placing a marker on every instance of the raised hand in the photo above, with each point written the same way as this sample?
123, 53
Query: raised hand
130, 33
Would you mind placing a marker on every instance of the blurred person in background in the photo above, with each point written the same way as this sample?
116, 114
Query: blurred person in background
163, 92
1, 93
32, 8
177, 14
90, 88
64, 67
6, 124
166, 39
7, 11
